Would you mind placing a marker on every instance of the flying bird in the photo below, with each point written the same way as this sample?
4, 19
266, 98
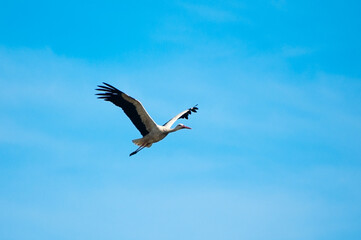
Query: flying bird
135, 111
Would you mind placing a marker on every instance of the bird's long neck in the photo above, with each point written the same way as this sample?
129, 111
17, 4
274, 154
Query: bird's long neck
173, 130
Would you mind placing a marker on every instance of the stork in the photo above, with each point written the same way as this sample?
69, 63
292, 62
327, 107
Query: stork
135, 111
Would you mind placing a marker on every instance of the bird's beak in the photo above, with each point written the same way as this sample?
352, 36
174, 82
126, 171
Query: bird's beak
186, 127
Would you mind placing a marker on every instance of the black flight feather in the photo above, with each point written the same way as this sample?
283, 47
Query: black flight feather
189, 112
112, 94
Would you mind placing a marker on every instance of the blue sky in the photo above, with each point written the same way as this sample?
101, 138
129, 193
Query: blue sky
274, 151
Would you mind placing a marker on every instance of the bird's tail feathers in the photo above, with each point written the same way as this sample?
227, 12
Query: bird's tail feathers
138, 141
141, 142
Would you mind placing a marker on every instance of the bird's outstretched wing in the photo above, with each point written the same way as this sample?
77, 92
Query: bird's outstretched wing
132, 107
183, 114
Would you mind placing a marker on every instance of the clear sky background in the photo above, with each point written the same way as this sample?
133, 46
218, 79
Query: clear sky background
274, 152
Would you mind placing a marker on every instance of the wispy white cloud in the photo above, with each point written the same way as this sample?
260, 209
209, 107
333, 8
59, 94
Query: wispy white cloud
220, 211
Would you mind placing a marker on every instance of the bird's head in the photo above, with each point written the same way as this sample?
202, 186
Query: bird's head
181, 126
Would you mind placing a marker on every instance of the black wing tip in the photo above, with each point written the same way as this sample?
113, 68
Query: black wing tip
108, 85
194, 109
189, 112
106, 92
108, 88
105, 88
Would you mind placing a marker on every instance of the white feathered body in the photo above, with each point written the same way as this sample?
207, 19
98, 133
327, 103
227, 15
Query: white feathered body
157, 134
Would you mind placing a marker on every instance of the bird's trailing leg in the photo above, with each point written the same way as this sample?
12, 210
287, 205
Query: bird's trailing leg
136, 151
